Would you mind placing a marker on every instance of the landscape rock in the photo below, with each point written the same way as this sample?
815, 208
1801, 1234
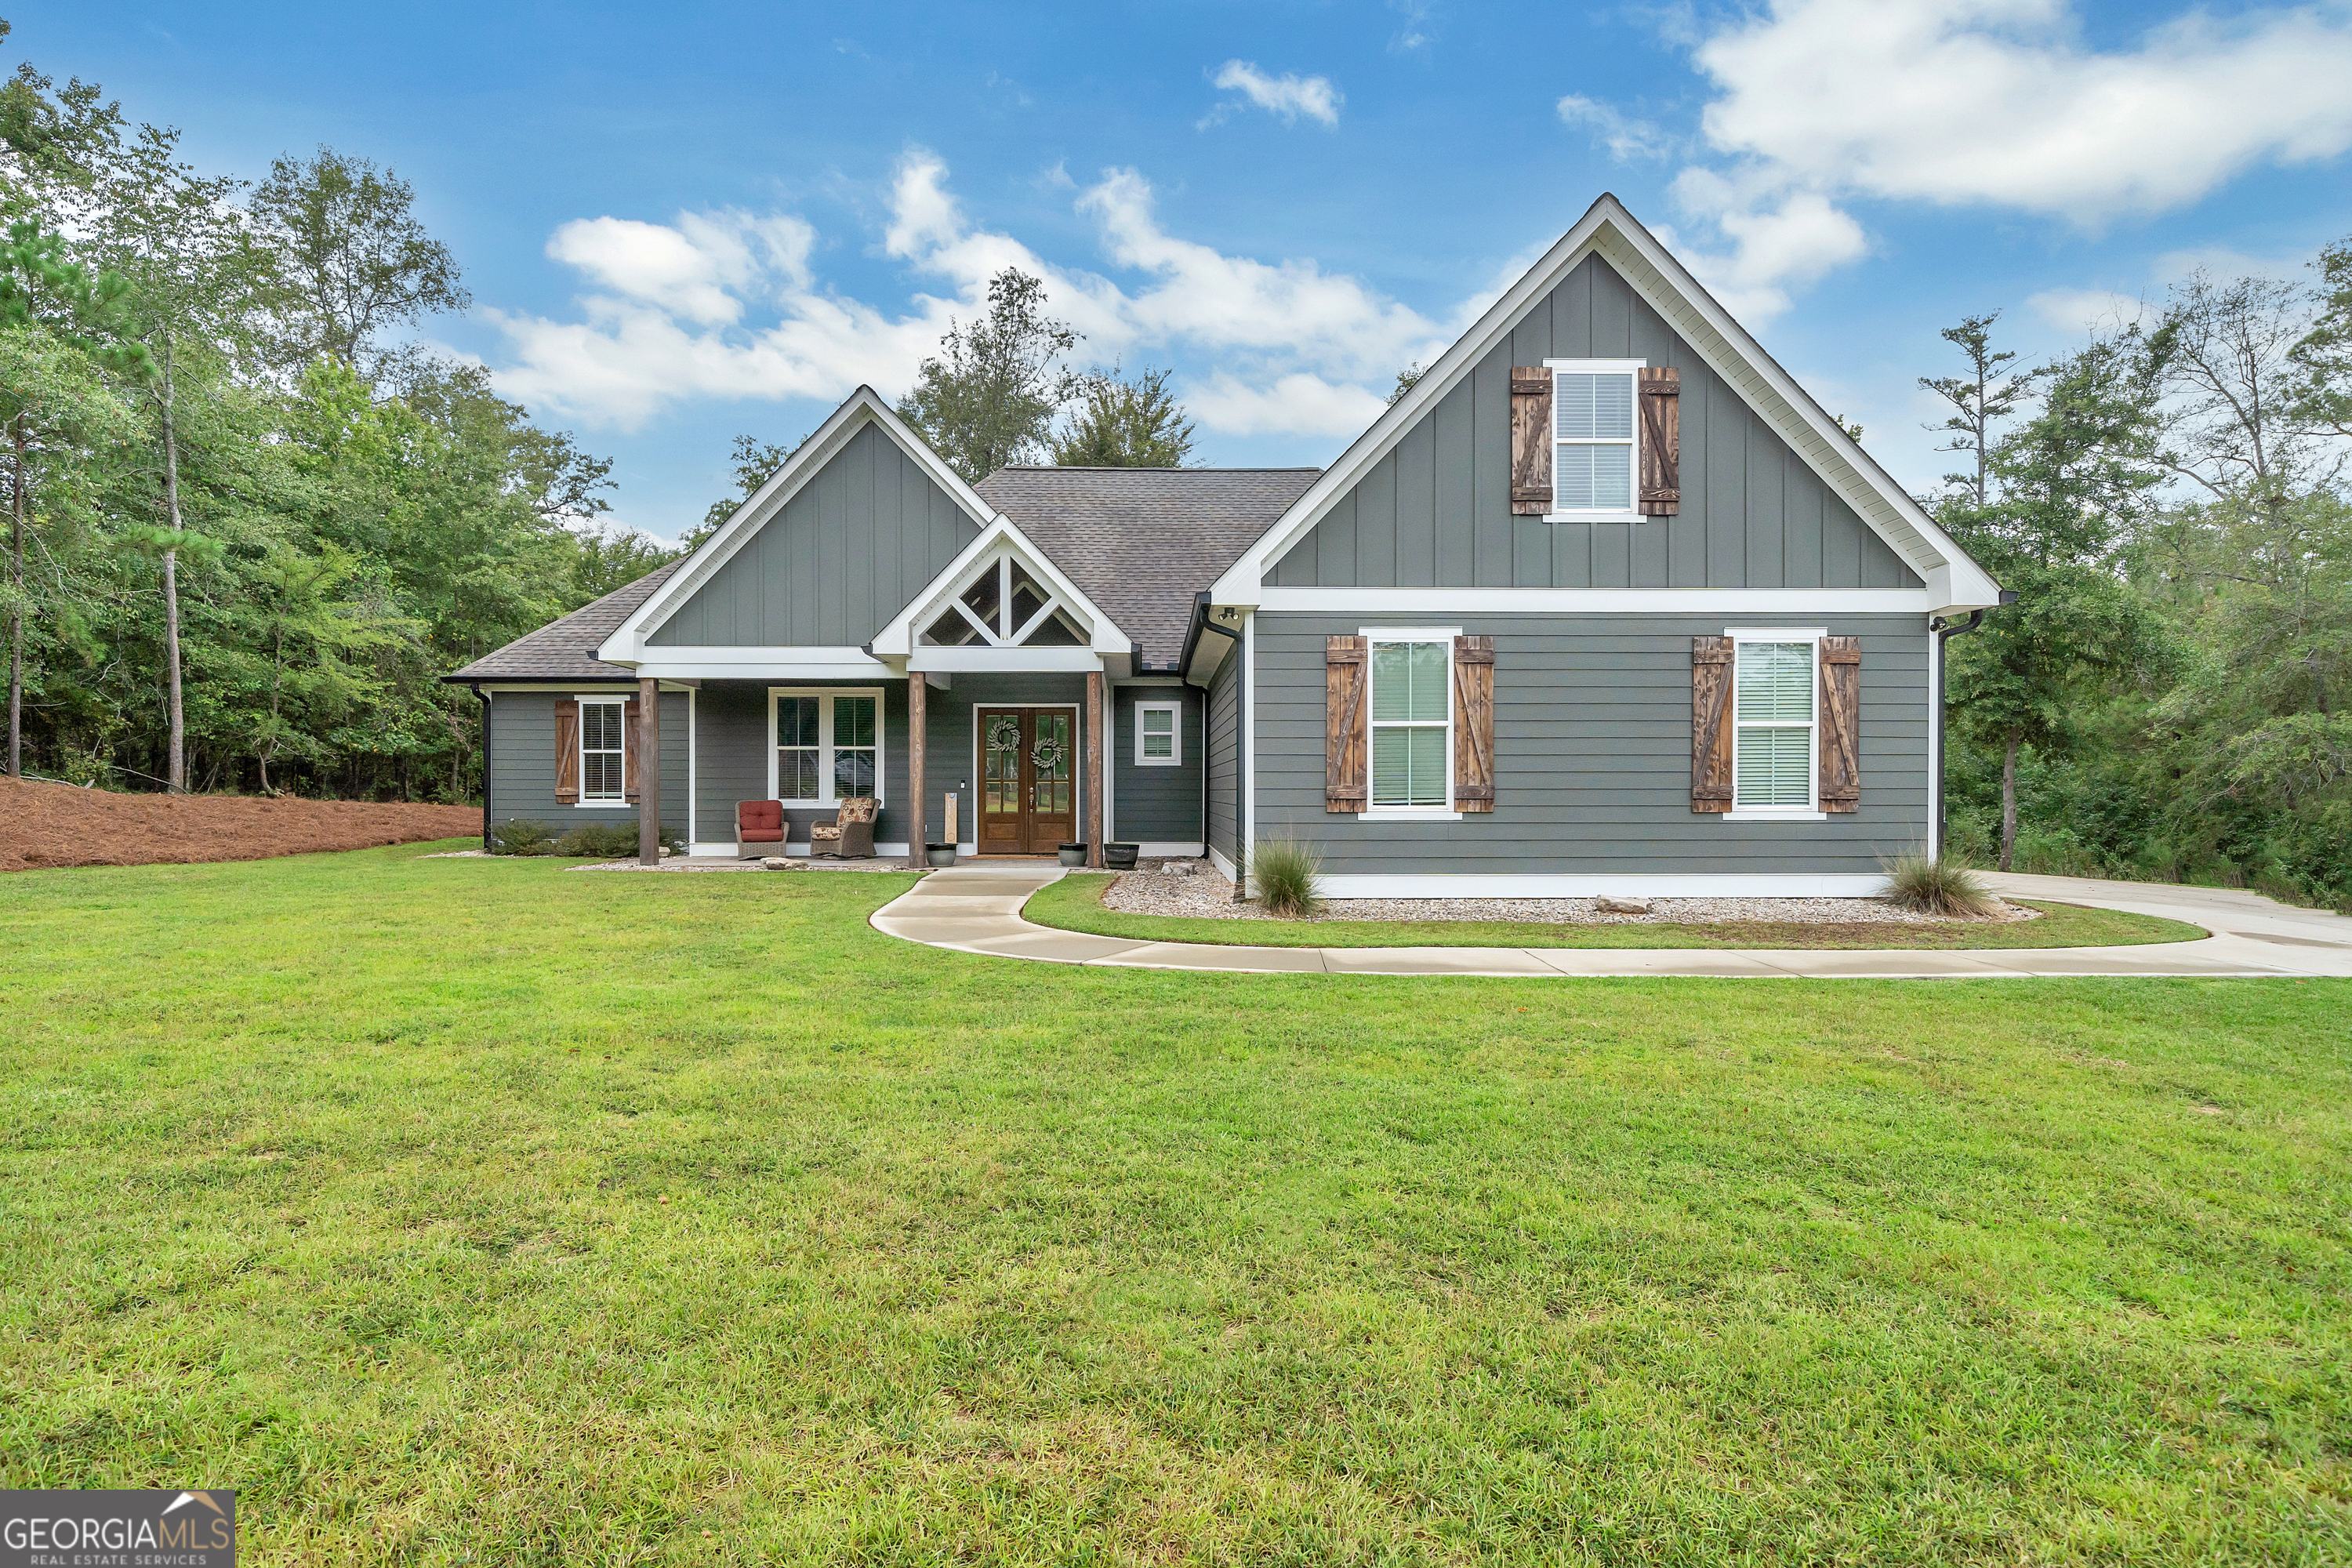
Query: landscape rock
775, 863
1622, 905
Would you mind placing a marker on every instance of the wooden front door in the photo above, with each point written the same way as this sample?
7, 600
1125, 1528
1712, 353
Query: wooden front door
1029, 772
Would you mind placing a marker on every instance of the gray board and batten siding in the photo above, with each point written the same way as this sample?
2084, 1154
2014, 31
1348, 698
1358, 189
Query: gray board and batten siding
522, 762
1435, 511
1593, 754
846, 554
1156, 804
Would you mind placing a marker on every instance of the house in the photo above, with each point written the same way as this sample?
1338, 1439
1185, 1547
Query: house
1604, 603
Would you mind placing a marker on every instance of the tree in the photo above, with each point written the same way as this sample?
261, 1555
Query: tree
352, 257
754, 462
616, 558
2070, 484
1122, 424
1407, 379
1989, 394
2322, 356
989, 397
2236, 421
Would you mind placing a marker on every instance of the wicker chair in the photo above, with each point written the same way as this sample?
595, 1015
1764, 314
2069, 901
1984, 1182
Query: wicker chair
761, 829
850, 835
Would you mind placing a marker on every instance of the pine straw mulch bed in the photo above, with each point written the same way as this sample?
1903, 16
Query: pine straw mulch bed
47, 825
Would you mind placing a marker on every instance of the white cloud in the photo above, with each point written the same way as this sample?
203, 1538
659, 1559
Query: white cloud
727, 305
2077, 310
1625, 138
1295, 404
1987, 102
1288, 95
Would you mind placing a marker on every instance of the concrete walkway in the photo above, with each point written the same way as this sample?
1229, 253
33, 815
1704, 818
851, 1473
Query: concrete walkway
977, 908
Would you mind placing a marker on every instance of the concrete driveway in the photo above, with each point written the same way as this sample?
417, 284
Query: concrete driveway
977, 908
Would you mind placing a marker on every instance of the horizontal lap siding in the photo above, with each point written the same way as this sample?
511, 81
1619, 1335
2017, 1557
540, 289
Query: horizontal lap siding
1157, 804
522, 763
730, 759
1592, 734
1224, 744
1436, 511
846, 552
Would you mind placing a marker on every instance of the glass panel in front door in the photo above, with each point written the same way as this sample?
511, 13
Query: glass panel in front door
1049, 758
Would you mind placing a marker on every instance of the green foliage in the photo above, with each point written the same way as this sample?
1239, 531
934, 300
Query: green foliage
989, 397
353, 260
518, 836
589, 841
1283, 872
1121, 424
1945, 885
753, 462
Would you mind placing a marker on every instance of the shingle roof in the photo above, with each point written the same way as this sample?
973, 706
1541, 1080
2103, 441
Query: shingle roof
565, 650
1141, 542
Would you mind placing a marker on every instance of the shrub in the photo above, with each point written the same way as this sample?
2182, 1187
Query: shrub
1285, 873
516, 837
600, 841
1942, 885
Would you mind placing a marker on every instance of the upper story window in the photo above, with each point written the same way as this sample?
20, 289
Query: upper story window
828, 746
1157, 736
1774, 722
1594, 461
601, 740
1412, 722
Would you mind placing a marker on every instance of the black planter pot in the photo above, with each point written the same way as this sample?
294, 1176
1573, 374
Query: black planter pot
1121, 857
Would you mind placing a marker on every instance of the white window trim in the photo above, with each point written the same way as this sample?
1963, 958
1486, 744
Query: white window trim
602, 802
1592, 367
1175, 709
825, 695
1445, 813
1811, 811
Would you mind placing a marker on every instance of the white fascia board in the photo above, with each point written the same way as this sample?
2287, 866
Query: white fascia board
761, 663
861, 408
1208, 654
1005, 660
896, 638
557, 688
1588, 885
1598, 601
1670, 290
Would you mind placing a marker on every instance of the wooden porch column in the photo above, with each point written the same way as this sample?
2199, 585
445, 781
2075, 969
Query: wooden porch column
918, 704
1094, 768
648, 773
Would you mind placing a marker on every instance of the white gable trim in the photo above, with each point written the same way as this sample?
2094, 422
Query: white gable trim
628, 644
1000, 538
1954, 581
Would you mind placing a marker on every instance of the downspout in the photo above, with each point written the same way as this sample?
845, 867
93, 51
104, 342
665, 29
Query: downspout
484, 699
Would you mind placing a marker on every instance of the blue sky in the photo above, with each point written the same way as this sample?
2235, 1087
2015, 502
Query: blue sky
683, 222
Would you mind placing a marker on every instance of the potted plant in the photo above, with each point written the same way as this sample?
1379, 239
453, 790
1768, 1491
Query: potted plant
1121, 857
939, 854
1074, 854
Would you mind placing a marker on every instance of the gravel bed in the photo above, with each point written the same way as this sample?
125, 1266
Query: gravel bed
1203, 893
729, 863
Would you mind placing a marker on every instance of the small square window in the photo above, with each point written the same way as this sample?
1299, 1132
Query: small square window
1157, 731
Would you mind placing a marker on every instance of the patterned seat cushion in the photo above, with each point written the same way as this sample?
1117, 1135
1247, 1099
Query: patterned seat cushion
859, 808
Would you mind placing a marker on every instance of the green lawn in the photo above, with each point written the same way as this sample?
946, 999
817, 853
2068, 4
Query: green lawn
491, 1212
1074, 903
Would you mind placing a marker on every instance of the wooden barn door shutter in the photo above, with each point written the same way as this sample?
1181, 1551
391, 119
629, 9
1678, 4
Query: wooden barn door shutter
1347, 671
1473, 723
1662, 442
1711, 723
629, 750
1530, 440
567, 750
1841, 721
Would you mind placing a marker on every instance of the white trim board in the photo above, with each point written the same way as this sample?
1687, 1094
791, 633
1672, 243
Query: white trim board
1225, 867
1598, 601
1953, 581
725, 850
897, 639
1582, 885
860, 408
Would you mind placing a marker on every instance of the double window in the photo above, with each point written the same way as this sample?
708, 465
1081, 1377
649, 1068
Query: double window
1774, 722
602, 742
1594, 432
1412, 721
1159, 738
828, 746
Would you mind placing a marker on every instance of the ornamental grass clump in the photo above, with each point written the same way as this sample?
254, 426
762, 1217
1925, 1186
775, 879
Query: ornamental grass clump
1284, 874
1944, 885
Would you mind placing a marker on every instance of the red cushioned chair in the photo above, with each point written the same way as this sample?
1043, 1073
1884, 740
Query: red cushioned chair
760, 828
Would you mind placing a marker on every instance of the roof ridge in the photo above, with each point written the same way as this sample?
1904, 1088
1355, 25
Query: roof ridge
1138, 469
